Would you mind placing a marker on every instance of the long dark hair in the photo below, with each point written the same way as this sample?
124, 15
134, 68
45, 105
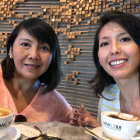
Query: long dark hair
45, 34
131, 24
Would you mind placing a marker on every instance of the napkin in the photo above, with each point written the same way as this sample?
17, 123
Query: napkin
27, 131
31, 132
97, 133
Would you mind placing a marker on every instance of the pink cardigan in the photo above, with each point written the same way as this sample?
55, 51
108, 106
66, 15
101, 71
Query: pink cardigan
44, 107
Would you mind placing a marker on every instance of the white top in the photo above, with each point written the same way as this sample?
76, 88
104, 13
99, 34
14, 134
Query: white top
112, 93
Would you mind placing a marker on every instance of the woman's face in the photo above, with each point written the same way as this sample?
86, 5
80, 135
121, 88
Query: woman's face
118, 54
31, 58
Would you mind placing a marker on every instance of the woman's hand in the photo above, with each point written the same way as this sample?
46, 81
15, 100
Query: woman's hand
82, 117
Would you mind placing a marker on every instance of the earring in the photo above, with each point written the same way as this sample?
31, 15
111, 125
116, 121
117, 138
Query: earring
10, 56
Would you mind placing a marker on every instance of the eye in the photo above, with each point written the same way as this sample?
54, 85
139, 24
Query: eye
103, 44
25, 44
125, 39
44, 48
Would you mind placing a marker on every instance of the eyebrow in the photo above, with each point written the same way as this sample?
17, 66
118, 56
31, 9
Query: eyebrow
26, 39
106, 37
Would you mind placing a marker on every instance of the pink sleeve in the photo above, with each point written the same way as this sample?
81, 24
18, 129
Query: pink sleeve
63, 109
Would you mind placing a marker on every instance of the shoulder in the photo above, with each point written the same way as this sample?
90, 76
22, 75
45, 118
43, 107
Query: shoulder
112, 87
56, 94
110, 99
58, 97
111, 91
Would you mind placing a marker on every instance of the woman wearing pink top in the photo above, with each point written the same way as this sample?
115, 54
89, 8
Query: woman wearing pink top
30, 73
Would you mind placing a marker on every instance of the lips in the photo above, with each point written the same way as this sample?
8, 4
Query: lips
118, 62
32, 65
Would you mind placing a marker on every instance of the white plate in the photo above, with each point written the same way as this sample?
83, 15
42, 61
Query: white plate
13, 134
99, 134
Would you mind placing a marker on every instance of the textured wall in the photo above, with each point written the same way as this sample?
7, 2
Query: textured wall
75, 22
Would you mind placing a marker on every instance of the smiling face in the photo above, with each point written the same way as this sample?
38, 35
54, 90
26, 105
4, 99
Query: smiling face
118, 53
31, 58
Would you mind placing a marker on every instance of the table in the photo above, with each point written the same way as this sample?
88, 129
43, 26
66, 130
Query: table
61, 130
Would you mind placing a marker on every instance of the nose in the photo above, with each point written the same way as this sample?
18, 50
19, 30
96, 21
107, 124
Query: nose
115, 47
34, 54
